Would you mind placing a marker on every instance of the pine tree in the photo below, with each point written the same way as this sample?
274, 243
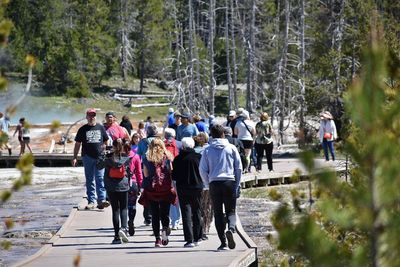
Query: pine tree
356, 223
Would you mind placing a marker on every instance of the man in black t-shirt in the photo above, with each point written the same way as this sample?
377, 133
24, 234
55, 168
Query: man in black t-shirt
93, 137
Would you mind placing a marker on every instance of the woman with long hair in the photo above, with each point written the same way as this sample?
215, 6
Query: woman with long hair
116, 180
158, 191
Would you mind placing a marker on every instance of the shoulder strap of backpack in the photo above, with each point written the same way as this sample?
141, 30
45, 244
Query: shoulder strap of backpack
247, 128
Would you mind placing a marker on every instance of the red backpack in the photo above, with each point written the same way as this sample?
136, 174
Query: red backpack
160, 177
170, 145
119, 172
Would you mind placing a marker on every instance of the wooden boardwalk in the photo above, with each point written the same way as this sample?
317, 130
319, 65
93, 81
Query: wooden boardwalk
87, 235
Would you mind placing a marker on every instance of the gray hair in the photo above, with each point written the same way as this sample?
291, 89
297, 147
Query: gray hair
187, 142
151, 130
169, 133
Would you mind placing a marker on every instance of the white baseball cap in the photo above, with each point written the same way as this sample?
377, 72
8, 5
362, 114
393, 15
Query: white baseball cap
171, 110
232, 113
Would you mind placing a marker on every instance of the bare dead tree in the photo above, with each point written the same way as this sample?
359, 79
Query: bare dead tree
126, 25
228, 55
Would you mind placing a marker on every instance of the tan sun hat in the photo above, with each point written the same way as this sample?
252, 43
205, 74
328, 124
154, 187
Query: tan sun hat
326, 115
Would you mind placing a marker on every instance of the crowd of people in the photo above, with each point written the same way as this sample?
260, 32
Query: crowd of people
185, 174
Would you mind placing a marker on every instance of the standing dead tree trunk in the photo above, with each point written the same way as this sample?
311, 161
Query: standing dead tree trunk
233, 45
281, 79
228, 55
211, 57
125, 50
302, 72
251, 68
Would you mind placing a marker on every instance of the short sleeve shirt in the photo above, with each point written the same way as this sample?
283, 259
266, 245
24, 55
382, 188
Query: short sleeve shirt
189, 130
92, 139
243, 132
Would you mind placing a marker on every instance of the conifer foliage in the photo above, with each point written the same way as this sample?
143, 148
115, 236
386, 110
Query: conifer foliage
356, 223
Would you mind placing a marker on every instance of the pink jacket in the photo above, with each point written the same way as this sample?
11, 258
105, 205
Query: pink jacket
136, 167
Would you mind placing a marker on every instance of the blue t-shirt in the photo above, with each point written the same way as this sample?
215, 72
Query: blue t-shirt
202, 127
189, 130
171, 119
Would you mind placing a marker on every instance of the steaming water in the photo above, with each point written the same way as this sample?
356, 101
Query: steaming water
33, 112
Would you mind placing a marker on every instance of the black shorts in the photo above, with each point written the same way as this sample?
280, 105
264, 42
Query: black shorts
26, 140
247, 144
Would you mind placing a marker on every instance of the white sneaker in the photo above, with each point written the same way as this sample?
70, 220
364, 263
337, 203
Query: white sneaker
122, 234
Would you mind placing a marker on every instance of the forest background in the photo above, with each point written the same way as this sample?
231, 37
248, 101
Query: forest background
294, 57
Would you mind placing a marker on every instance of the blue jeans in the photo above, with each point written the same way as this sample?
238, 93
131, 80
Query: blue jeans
328, 145
94, 180
175, 212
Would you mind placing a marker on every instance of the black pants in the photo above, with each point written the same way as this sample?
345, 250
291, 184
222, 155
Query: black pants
190, 203
260, 148
159, 211
132, 199
223, 195
119, 205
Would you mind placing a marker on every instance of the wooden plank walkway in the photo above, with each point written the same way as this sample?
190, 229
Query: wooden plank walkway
88, 234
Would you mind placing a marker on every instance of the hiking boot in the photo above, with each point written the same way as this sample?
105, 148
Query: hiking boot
223, 247
131, 228
231, 241
90, 206
164, 236
158, 243
189, 245
116, 240
123, 235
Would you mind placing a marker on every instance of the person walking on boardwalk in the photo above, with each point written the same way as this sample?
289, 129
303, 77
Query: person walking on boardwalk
126, 123
93, 138
113, 129
4, 126
135, 167
186, 129
24, 136
158, 191
327, 134
245, 132
143, 146
116, 179
264, 141
173, 146
221, 169
185, 171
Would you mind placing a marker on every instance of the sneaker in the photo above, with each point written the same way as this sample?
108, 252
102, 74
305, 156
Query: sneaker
198, 242
164, 236
131, 228
231, 241
223, 247
90, 206
158, 243
175, 227
116, 240
122, 234
189, 245
103, 204
147, 222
